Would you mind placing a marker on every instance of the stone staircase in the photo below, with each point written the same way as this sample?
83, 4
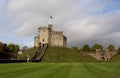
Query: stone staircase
39, 53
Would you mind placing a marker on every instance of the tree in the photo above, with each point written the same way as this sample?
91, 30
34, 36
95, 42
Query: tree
11, 47
3, 47
75, 48
97, 46
86, 48
24, 48
111, 48
16, 48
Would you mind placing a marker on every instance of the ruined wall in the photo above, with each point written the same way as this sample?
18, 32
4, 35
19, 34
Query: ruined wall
103, 56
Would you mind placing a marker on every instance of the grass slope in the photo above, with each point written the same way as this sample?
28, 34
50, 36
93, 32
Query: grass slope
60, 70
61, 54
30, 52
115, 58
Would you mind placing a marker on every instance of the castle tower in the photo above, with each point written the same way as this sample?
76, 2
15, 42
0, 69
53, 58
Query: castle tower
50, 33
44, 34
49, 37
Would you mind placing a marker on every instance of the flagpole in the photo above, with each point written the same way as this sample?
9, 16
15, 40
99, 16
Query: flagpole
50, 19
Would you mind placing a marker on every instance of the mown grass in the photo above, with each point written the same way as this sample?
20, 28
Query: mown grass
61, 70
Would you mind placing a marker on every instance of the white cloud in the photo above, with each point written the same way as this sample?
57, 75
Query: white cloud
99, 28
77, 18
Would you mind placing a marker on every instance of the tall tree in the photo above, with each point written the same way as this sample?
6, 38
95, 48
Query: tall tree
86, 48
97, 46
5, 47
16, 48
111, 48
75, 48
1, 47
11, 47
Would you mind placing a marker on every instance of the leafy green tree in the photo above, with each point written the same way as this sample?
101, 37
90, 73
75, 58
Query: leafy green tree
86, 48
16, 48
111, 48
75, 48
97, 46
11, 47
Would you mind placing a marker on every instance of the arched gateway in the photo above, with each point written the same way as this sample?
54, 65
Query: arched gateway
102, 55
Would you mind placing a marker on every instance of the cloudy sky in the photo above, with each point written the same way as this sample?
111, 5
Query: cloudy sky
82, 21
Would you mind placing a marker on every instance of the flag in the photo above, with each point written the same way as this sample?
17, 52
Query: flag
51, 17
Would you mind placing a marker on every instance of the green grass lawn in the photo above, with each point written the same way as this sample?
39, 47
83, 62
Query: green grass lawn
61, 70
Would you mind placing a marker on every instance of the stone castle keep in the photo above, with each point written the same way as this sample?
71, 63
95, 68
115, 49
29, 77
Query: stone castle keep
47, 36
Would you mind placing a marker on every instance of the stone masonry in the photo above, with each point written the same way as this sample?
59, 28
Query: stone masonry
47, 36
102, 55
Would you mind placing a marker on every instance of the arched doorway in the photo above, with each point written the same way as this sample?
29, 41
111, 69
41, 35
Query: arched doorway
103, 58
43, 45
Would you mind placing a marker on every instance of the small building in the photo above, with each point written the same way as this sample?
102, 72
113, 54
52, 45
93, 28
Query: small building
20, 52
47, 36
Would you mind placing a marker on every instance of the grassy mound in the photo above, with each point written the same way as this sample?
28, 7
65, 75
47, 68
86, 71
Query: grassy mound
115, 58
30, 52
60, 54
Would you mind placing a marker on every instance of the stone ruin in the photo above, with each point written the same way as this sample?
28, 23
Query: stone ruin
102, 55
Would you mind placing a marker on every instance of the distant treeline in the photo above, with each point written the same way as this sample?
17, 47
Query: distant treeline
87, 48
8, 51
13, 48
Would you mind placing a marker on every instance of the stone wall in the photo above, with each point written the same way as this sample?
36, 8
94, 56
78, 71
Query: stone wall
57, 38
36, 41
44, 35
102, 55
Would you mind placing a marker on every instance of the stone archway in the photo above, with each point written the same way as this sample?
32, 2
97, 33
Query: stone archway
102, 58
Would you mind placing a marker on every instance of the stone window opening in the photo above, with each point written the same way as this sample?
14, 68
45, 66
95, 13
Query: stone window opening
103, 58
43, 40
